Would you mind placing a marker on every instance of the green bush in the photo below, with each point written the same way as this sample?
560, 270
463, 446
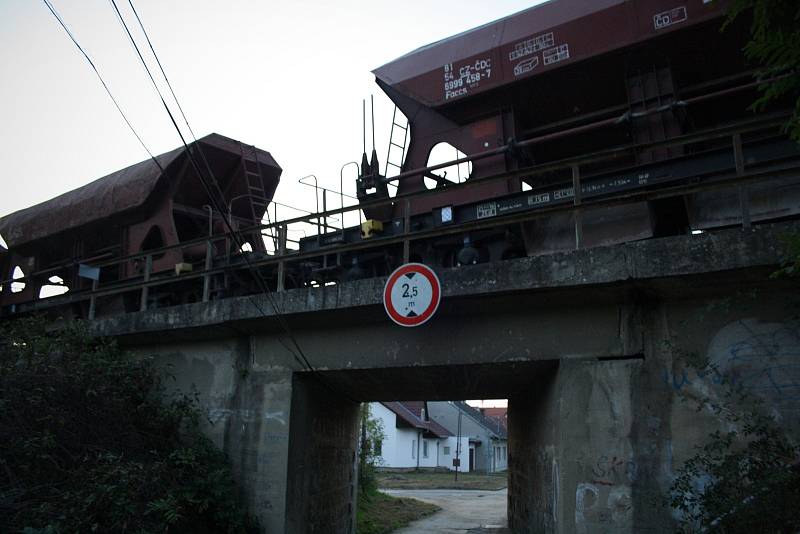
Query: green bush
774, 47
745, 478
91, 442
372, 437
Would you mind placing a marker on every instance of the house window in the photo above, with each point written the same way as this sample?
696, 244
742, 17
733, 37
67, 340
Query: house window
447, 451
424, 448
413, 448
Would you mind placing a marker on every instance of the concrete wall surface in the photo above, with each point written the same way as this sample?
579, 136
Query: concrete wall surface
595, 445
603, 355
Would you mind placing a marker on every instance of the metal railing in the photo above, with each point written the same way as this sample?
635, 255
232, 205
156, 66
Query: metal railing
741, 177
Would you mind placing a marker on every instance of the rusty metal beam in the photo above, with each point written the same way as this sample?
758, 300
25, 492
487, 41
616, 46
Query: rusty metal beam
730, 180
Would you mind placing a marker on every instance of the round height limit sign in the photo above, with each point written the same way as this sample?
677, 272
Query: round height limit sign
411, 295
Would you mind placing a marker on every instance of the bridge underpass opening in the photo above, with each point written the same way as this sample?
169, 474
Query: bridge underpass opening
325, 432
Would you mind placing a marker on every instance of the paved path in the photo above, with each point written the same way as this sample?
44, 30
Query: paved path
463, 511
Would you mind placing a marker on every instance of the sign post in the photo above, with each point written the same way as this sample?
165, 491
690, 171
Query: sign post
412, 294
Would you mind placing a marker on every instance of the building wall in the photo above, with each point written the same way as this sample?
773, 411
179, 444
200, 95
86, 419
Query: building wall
499, 455
401, 446
446, 414
432, 457
404, 447
446, 460
396, 449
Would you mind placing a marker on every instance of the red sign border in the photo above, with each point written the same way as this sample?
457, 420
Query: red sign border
423, 317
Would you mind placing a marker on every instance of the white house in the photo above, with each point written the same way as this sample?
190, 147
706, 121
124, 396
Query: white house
488, 439
412, 440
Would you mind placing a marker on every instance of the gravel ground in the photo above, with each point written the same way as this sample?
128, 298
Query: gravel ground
463, 511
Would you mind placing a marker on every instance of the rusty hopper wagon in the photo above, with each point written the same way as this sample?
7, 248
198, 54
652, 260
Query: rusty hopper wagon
133, 211
585, 123
562, 80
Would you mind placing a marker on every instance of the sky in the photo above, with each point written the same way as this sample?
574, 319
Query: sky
288, 77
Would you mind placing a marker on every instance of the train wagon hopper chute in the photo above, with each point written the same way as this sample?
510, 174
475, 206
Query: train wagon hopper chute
136, 210
568, 79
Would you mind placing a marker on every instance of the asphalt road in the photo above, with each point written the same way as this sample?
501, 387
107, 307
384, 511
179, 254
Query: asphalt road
463, 511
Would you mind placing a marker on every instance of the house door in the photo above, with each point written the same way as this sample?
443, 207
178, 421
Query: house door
471, 460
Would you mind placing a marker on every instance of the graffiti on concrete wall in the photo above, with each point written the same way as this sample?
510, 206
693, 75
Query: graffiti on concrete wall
603, 500
762, 358
610, 471
602, 508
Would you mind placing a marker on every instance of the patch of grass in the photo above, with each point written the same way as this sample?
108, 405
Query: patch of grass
439, 480
379, 513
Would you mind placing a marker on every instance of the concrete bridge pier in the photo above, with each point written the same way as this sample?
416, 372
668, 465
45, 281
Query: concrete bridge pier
603, 354
321, 480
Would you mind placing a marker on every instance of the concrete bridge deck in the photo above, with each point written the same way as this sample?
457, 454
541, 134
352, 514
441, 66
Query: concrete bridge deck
595, 349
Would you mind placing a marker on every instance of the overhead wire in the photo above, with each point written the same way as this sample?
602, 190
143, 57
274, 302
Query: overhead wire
175, 98
301, 359
102, 81
263, 286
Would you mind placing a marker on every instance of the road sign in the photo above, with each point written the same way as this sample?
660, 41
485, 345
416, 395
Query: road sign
411, 295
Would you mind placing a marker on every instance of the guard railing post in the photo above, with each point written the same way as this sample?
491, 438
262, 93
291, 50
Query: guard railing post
576, 192
148, 267
93, 299
744, 200
283, 232
207, 275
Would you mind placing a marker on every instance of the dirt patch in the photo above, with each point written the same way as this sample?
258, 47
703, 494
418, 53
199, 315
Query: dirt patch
379, 513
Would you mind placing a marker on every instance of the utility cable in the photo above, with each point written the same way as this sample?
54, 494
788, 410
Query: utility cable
161, 68
175, 97
102, 81
221, 209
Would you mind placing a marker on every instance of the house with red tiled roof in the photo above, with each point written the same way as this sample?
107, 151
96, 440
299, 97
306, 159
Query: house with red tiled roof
498, 414
412, 440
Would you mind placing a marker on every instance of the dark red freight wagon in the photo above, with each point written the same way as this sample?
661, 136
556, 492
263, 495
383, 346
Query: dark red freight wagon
576, 77
129, 212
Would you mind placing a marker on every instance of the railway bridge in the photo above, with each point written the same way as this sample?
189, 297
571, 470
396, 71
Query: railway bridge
595, 348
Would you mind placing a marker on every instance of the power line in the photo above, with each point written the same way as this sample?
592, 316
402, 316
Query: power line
164, 74
102, 81
175, 97
172, 92
263, 286
302, 359
212, 197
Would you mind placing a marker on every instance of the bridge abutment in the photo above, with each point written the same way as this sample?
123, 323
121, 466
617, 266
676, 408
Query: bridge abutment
605, 355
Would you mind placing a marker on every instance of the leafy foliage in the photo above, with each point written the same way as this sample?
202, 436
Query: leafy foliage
791, 263
372, 437
745, 478
91, 442
774, 46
